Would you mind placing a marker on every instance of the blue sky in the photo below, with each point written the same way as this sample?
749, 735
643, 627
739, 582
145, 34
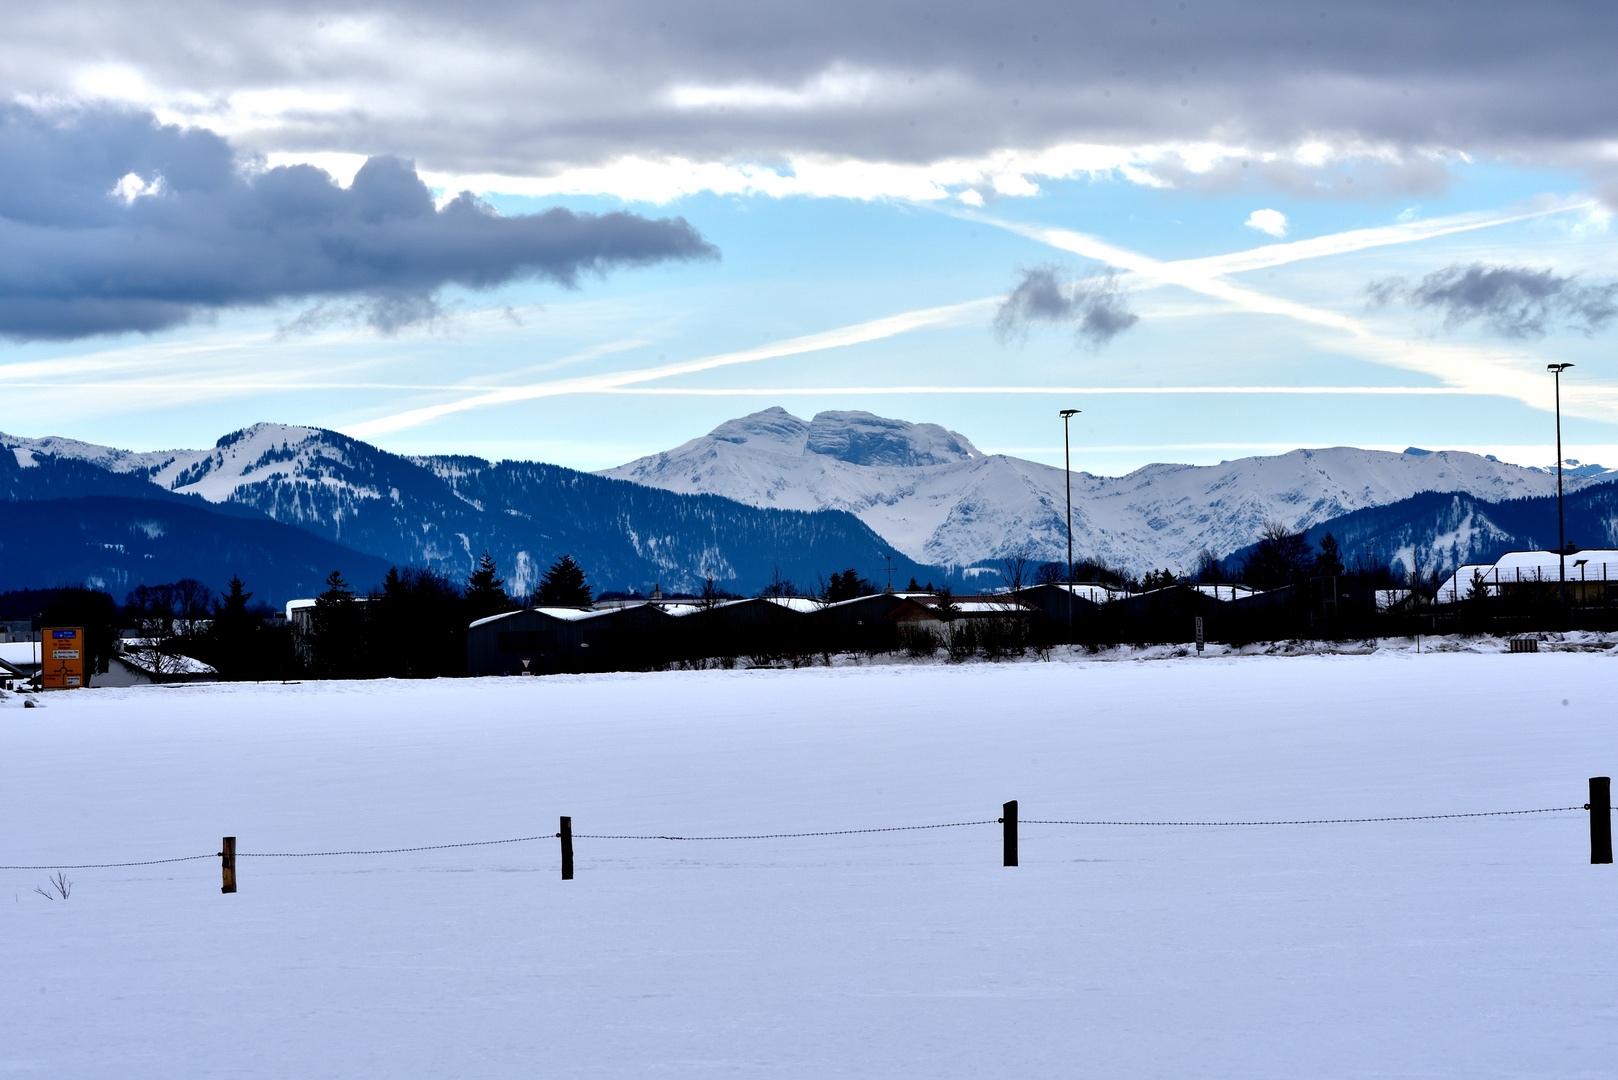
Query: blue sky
801, 265
861, 266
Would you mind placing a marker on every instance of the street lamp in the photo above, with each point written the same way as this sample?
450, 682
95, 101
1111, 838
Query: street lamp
1067, 463
1561, 539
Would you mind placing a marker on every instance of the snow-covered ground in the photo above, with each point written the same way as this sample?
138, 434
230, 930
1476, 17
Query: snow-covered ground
1480, 947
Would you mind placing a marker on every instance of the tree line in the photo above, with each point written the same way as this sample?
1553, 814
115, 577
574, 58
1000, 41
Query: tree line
410, 625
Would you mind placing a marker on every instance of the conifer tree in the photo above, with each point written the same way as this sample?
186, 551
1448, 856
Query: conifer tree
235, 632
335, 645
1330, 561
486, 590
847, 585
563, 586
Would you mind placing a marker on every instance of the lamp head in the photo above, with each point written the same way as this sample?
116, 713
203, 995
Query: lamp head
1065, 413
1558, 368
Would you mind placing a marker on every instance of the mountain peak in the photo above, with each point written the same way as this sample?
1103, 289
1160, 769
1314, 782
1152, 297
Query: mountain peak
937, 498
862, 438
772, 425
265, 430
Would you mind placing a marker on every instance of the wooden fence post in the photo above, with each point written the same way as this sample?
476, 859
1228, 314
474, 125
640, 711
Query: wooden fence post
567, 848
1008, 832
1600, 819
227, 863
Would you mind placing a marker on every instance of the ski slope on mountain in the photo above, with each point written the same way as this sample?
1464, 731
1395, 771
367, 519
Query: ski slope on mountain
1481, 947
936, 497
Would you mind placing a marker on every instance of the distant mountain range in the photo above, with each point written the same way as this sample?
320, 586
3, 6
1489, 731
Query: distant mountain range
762, 495
376, 508
1438, 531
939, 499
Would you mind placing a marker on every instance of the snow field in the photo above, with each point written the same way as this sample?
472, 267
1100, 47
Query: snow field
1477, 948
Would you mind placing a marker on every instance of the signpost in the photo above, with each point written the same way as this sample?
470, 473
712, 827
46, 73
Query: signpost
61, 657
1199, 635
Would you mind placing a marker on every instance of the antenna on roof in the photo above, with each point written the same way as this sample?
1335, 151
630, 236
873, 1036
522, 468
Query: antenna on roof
889, 560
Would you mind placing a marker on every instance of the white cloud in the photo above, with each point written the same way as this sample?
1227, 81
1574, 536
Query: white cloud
837, 87
133, 187
1004, 173
1268, 221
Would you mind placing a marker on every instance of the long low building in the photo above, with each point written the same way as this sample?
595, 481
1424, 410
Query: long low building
1591, 576
536, 641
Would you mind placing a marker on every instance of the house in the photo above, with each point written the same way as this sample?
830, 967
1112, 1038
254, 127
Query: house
138, 661
19, 664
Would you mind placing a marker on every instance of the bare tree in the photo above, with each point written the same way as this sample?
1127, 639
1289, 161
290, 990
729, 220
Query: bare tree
156, 619
779, 587
1016, 570
1280, 557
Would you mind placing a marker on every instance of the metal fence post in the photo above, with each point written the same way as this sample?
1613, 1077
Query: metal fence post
227, 863
567, 848
1008, 833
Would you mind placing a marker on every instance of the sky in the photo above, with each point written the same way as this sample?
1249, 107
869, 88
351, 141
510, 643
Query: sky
581, 233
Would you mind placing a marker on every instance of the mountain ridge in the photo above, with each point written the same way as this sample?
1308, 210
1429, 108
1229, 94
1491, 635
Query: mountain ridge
444, 511
971, 508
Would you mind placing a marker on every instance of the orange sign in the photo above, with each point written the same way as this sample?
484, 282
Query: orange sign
62, 653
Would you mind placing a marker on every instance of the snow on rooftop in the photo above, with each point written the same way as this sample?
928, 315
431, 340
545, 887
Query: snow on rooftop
567, 614
802, 604
19, 652
1459, 584
1591, 564
1528, 561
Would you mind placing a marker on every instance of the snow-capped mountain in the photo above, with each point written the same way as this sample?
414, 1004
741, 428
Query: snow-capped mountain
443, 512
937, 498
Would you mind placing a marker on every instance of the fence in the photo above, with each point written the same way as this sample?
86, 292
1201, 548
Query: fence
1599, 806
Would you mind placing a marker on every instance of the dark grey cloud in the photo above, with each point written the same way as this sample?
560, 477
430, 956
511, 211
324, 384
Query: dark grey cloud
527, 87
1512, 301
1094, 306
112, 222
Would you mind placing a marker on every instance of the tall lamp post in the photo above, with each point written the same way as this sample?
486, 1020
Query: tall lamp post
1067, 469
1561, 538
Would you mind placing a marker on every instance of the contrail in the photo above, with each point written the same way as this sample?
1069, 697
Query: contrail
872, 330
1202, 275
